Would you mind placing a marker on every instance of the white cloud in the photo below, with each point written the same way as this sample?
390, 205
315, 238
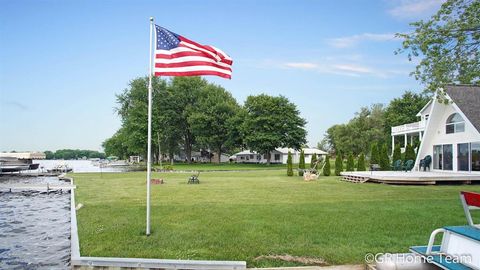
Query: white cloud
344, 42
415, 9
303, 65
353, 68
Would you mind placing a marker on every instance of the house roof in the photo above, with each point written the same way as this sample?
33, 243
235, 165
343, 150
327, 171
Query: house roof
467, 98
285, 151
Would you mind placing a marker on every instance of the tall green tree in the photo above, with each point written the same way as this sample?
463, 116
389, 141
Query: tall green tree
326, 166
272, 122
212, 120
384, 159
301, 163
338, 164
313, 161
447, 45
361, 163
350, 163
374, 154
409, 153
289, 164
404, 109
397, 154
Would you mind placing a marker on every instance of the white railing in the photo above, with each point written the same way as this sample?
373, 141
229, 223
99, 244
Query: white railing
415, 126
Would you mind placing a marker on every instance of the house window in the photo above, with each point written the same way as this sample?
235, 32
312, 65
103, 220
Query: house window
463, 157
277, 157
437, 157
455, 123
251, 156
426, 117
448, 157
475, 154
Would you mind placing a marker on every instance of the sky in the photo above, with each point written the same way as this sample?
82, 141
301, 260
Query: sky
63, 62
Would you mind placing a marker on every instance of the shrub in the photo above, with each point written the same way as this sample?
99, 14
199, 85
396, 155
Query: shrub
326, 167
338, 165
350, 164
361, 163
289, 164
374, 158
301, 163
409, 153
397, 154
313, 161
384, 159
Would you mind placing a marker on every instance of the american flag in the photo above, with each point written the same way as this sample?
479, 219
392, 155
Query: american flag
178, 56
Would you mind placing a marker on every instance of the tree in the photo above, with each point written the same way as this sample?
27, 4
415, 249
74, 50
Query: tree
272, 122
409, 153
374, 154
212, 119
116, 145
301, 163
361, 163
338, 164
326, 167
313, 161
397, 154
384, 159
350, 164
289, 164
448, 45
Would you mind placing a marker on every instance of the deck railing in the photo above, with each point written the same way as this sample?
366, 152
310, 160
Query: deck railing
415, 126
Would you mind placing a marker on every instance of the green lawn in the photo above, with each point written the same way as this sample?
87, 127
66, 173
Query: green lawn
243, 215
223, 166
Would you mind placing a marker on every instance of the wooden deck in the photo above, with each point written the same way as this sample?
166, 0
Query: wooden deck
413, 177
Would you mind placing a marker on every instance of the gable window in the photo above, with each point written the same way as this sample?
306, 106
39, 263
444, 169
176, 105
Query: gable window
426, 117
454, 124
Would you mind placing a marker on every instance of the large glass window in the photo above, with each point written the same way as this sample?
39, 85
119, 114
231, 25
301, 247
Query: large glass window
463, 156
455, 123
437, 157
475, 148
448, 157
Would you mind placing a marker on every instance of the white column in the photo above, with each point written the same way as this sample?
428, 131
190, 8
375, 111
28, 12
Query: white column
393, 143
406, 140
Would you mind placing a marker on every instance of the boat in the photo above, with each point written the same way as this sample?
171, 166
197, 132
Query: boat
61, 168
13, 164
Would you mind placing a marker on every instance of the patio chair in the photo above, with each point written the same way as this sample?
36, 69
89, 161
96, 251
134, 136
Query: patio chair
194, 179
397, 165
408, 166
470, 201
425, 162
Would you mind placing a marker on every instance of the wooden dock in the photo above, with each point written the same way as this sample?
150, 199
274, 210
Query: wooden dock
410, 178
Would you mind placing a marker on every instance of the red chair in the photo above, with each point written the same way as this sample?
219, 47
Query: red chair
470, 201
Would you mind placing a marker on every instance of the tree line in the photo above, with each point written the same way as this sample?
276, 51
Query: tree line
190, 114
73, 154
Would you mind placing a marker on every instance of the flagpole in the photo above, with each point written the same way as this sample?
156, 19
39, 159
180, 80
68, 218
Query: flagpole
149, 143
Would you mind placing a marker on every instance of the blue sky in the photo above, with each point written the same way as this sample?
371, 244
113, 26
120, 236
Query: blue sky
62, 62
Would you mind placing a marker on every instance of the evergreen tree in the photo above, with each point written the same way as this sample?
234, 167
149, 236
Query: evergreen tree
384, 159
313, 161
350, 163
409, 153
338, 165
326, 167
361, 163
301, 163
289, 164
374, 159
397, 154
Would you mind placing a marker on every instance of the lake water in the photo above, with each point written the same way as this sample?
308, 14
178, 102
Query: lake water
80, 166
34, 226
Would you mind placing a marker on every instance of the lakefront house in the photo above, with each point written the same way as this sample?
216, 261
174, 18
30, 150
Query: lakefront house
448, 130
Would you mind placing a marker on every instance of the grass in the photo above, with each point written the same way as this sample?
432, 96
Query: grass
243, 215
223, 166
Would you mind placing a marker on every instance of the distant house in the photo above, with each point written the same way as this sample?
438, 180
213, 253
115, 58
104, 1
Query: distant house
278, 155
449, 133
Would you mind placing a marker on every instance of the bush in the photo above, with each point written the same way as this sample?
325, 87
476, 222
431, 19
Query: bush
289, 164
361, 163
338, 165
313, 161
326, 167
397, 154
409, 153
384, 159
350, 164
374, 157
301, 163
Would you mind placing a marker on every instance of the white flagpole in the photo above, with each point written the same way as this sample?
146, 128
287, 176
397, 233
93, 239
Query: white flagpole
149, 143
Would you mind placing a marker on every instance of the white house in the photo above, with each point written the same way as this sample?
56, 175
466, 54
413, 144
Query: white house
449, 133
278, 155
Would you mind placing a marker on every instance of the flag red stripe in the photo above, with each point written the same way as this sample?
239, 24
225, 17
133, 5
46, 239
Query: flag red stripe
179, 54
194, 73
223, 59
189, 64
